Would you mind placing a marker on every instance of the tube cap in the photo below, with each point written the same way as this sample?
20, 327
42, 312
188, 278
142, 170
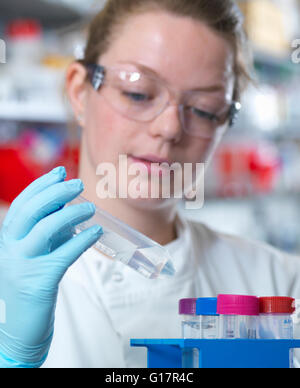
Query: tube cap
187, 306
206, 306
237, 305
276, 305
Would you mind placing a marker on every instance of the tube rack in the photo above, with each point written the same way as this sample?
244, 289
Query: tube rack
215, 353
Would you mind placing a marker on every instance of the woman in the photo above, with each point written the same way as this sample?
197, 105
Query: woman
158, 83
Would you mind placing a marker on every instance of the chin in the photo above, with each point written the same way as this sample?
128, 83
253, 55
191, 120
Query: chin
152, 204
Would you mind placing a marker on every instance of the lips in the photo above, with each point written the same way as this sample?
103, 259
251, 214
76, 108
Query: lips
151, 159
151, 162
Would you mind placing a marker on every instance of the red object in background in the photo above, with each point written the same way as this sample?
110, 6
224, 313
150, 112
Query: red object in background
24, 28
232, 168
246, 169
264, 165
18, 170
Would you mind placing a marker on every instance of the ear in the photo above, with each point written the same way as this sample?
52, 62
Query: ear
76, 89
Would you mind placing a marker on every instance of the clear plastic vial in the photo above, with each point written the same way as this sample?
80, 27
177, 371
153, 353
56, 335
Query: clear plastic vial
238, 316
275, 319
206, 310
190, 321
189, 330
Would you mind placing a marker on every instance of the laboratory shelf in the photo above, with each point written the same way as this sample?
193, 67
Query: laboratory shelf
52, 14
281, 63
237, 353
33, 112
86, 7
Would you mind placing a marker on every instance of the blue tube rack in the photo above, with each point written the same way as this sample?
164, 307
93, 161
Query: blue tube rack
237, 353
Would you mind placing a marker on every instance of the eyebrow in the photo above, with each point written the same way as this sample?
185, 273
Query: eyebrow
148, 70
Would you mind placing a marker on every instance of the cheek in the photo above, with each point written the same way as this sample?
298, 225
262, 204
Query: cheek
196, 150
198, 155
105, 132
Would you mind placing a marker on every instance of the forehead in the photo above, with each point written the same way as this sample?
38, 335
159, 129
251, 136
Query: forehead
183, 51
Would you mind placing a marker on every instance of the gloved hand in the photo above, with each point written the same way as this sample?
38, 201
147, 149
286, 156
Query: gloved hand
36, 248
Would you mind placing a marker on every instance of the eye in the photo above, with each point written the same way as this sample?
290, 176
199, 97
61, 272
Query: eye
136, 97
205, 115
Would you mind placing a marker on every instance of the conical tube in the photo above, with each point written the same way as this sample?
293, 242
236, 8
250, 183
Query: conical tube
123, 243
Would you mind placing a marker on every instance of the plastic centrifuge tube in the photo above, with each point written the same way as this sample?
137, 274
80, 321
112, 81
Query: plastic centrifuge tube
190, 320
189, 330
238, 316
275, 317
123, 243
206, 310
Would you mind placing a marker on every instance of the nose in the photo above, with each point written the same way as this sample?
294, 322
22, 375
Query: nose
168, 124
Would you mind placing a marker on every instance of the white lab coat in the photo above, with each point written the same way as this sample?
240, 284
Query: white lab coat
102, 304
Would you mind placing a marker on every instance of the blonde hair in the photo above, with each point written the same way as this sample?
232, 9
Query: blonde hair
223, 16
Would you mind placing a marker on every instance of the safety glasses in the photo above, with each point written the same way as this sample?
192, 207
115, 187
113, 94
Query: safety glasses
143, 98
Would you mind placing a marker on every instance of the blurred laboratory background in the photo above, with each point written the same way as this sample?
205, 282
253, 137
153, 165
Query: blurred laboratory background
252, 188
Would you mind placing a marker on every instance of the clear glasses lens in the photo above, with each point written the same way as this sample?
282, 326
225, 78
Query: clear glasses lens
134, 95
142, 98
204, 113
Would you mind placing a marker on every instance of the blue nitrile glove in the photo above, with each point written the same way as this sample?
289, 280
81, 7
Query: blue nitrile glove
36, 248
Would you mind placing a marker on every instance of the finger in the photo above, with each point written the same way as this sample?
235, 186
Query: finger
45, 234
62, 238
40, 184
42, 205
64, 256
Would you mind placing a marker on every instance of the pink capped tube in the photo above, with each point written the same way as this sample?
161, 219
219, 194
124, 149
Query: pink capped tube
238, 316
